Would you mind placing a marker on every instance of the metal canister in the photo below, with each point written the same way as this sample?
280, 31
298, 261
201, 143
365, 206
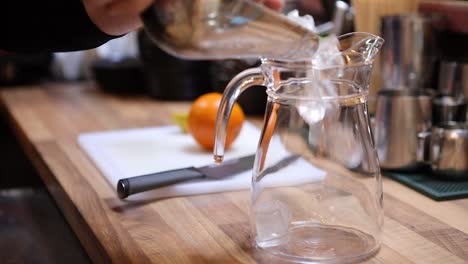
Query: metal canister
410, 52
400, 116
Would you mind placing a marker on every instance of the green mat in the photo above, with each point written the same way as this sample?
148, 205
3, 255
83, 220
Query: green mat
437, 189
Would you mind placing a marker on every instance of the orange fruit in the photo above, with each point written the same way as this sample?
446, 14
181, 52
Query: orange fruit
202, 120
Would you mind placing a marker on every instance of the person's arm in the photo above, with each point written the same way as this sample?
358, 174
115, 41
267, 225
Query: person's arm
117, 17
47, 26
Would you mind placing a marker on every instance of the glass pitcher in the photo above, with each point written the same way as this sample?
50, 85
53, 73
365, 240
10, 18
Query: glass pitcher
220, 29
316, 193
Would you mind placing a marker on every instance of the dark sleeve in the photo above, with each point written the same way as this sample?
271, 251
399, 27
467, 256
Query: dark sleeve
47, 26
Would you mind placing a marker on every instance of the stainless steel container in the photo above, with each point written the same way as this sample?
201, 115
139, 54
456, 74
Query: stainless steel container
447, 151
447, 109
453, 79
400, 116
410, 52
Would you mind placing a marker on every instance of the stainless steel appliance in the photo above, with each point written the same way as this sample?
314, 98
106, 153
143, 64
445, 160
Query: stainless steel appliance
400, 116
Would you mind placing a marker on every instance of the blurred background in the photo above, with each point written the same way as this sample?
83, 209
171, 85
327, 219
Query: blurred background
426, 49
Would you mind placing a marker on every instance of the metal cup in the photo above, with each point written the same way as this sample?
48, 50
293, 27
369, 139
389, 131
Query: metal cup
445, 148
400, 116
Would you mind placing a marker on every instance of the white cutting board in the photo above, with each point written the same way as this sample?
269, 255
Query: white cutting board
133, 152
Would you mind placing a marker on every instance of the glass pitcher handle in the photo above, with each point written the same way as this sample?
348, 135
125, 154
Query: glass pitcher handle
241, 82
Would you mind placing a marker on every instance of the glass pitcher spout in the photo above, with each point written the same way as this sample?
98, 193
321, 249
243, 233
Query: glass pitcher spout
352, 49
360, 47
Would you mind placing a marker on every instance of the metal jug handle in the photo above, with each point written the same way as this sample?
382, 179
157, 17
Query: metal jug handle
423, 153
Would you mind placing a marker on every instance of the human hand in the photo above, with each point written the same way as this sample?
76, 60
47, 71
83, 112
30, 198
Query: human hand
273, 4
118, 17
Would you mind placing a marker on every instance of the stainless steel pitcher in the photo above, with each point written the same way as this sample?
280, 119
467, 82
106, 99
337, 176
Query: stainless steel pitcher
445, 148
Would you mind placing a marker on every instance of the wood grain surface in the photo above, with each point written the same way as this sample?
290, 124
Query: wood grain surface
209, 228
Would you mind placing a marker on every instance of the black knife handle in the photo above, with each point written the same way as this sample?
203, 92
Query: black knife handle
138, 184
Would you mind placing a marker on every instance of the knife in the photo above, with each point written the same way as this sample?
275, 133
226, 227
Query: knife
138, 184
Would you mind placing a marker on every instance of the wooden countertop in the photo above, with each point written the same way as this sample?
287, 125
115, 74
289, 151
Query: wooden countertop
203, 229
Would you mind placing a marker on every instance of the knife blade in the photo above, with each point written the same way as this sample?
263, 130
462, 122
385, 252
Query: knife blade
138, 184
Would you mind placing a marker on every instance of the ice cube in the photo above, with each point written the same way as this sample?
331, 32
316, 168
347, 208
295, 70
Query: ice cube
272, 222
328, 53
312, 112
306, 21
